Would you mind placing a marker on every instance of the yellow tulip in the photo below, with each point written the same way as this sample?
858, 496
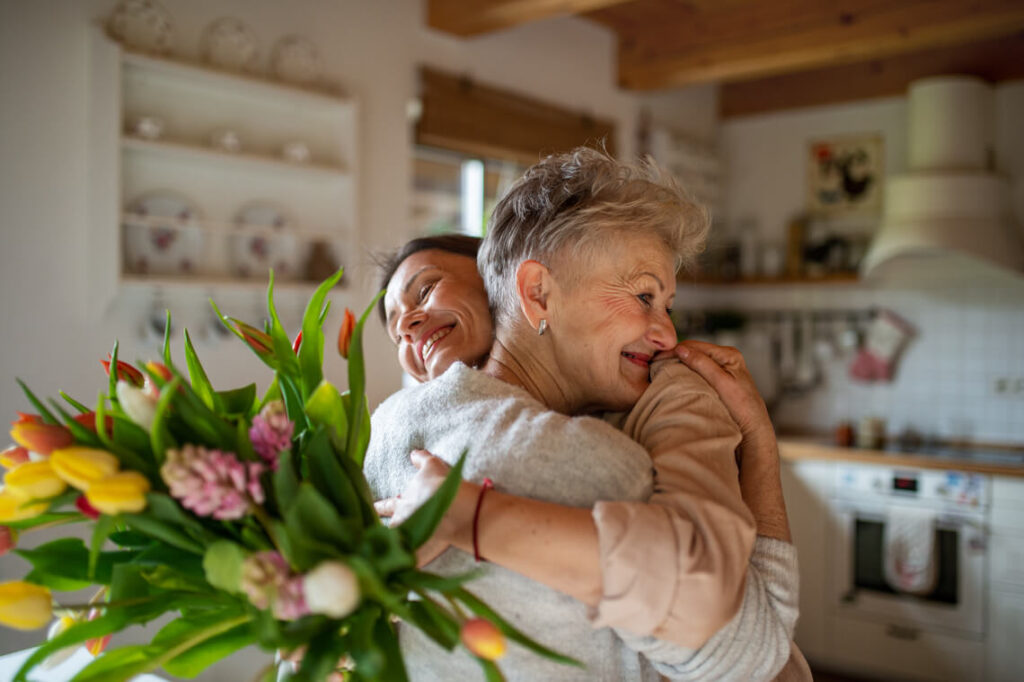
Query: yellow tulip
81, 467
16, 508
24, 606
483, 639
123, 492
34, 480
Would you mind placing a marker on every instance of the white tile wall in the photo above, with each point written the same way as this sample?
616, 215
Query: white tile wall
970, 326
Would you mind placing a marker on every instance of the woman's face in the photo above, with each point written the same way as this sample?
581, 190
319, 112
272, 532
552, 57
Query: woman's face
437, 313
607, 328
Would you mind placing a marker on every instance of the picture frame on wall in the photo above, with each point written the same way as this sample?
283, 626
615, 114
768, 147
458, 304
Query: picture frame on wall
845, 175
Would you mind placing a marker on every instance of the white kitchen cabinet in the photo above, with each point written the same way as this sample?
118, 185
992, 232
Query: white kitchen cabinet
1005, 627
309, 202
807, 486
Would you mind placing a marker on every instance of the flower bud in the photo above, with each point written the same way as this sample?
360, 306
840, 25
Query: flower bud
96, 645
125, 372
483, 639
348, 325
123, 492
81, 467
8, 539
137, 404
256, 339
297, 343
332, 589
31, 432
34, 480
24, 606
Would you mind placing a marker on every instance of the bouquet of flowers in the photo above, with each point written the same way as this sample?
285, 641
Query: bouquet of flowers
246, 516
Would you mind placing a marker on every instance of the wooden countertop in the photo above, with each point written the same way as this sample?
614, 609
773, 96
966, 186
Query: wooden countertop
980, 461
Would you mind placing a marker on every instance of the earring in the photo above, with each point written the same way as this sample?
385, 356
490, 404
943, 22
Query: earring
542, 327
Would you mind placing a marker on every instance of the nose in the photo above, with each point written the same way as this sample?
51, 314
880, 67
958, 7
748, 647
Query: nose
408, 321
662, 333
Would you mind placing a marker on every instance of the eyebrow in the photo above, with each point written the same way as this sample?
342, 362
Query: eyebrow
405, 289
654, 277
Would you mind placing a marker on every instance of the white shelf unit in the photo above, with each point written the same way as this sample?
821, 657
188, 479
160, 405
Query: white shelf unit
193, 102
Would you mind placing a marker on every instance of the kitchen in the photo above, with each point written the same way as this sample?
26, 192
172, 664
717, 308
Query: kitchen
960, 377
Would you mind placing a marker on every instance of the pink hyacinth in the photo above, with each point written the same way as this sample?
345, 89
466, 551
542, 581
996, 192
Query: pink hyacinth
211, 482
271, 432
268, 581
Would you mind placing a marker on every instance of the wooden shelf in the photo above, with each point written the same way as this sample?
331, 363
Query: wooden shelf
218, 282
831, 279
196, 72
239, 160
232, 229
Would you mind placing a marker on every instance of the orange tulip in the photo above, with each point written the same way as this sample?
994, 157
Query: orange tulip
13, 456
160, 370
296, 343
125, 372
256, 339
8, 539
348, 325
96, 645
483, 639
31, 432
88, 420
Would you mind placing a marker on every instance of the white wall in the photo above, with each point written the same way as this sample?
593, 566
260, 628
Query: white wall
372, 47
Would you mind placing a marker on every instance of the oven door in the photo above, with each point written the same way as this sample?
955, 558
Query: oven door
861, 589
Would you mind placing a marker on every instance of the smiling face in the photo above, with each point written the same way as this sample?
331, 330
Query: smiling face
437, 313
608, 324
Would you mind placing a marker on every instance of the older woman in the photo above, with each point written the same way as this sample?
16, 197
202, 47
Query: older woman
672, 566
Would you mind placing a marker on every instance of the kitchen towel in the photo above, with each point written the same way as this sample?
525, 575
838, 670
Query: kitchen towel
909, 547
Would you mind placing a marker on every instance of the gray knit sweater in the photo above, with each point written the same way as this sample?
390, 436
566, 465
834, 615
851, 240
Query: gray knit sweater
530, 451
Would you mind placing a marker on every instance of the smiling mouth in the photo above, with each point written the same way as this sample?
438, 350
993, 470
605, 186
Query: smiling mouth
428, 343
641, 359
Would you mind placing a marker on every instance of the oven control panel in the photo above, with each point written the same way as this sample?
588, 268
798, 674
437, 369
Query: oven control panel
943, 488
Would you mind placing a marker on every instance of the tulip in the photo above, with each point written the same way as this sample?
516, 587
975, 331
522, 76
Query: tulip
96, 645
34, 480
88, 420
348, 325
123, 492
125, 372
296, 343
256, 339
57, 628
32, 433
8, 539
13, 456
16, 508
332, 589
81, 467
160, 370
139, 405
483, 639
82, 504
24, 606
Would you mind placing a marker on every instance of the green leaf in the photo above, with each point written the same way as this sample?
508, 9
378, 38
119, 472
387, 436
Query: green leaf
286, 484
38, 404
160, 436
240, 401
127, 583
491, 671
193, 661
287, 363
132, 438
103, 527
200, 382
82, 435
422, 523
484, 611
47, 518
69, 558
163, 532
293, 402
311, 352
128, 458
129, 538
325, 407
435, 622
421, 580
167, 578
384, 548
357, 386
363, 439
316, 528
58, 583
166, 350
223, 565
273, 393
112, 376
329, 479
74, 403
321, 658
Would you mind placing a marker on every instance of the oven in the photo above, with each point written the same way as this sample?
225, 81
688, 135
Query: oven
956, 505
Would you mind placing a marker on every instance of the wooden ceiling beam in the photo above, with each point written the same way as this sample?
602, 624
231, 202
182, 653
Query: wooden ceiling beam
473, 17
996, 60
730, 41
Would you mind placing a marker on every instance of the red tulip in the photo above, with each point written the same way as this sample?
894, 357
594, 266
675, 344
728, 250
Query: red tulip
259, 341
348, 325
31, 432
82, 504
483, 639
13, 456
296, 343
88, 420
125, 372
8, 539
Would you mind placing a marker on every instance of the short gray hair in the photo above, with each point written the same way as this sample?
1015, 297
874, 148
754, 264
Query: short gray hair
569, 204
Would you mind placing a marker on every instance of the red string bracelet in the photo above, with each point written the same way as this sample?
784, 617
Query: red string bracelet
487, 485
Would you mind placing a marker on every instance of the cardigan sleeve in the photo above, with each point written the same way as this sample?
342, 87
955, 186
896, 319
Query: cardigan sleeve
675, 567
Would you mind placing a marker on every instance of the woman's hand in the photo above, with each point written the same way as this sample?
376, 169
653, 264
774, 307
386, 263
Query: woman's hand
430, 474
724, 368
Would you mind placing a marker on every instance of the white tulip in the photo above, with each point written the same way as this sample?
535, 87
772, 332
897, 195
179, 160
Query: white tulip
332, 589
137, 404
61, 655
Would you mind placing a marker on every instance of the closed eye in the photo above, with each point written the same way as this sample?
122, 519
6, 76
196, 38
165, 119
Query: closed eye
646, 298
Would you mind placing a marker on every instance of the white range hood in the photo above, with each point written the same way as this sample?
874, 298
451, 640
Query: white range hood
950, 205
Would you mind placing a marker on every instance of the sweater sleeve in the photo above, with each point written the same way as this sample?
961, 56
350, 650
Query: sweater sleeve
674, 567
756, 644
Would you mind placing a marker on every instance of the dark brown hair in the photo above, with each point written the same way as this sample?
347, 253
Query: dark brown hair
460, 244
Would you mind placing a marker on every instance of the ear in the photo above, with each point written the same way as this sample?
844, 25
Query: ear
533, 286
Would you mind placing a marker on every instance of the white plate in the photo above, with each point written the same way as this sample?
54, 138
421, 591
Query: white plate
162, 235
295, 59
270, 244
142, 24
227, 43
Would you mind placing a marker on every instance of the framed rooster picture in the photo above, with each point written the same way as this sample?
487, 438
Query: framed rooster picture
845, 175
